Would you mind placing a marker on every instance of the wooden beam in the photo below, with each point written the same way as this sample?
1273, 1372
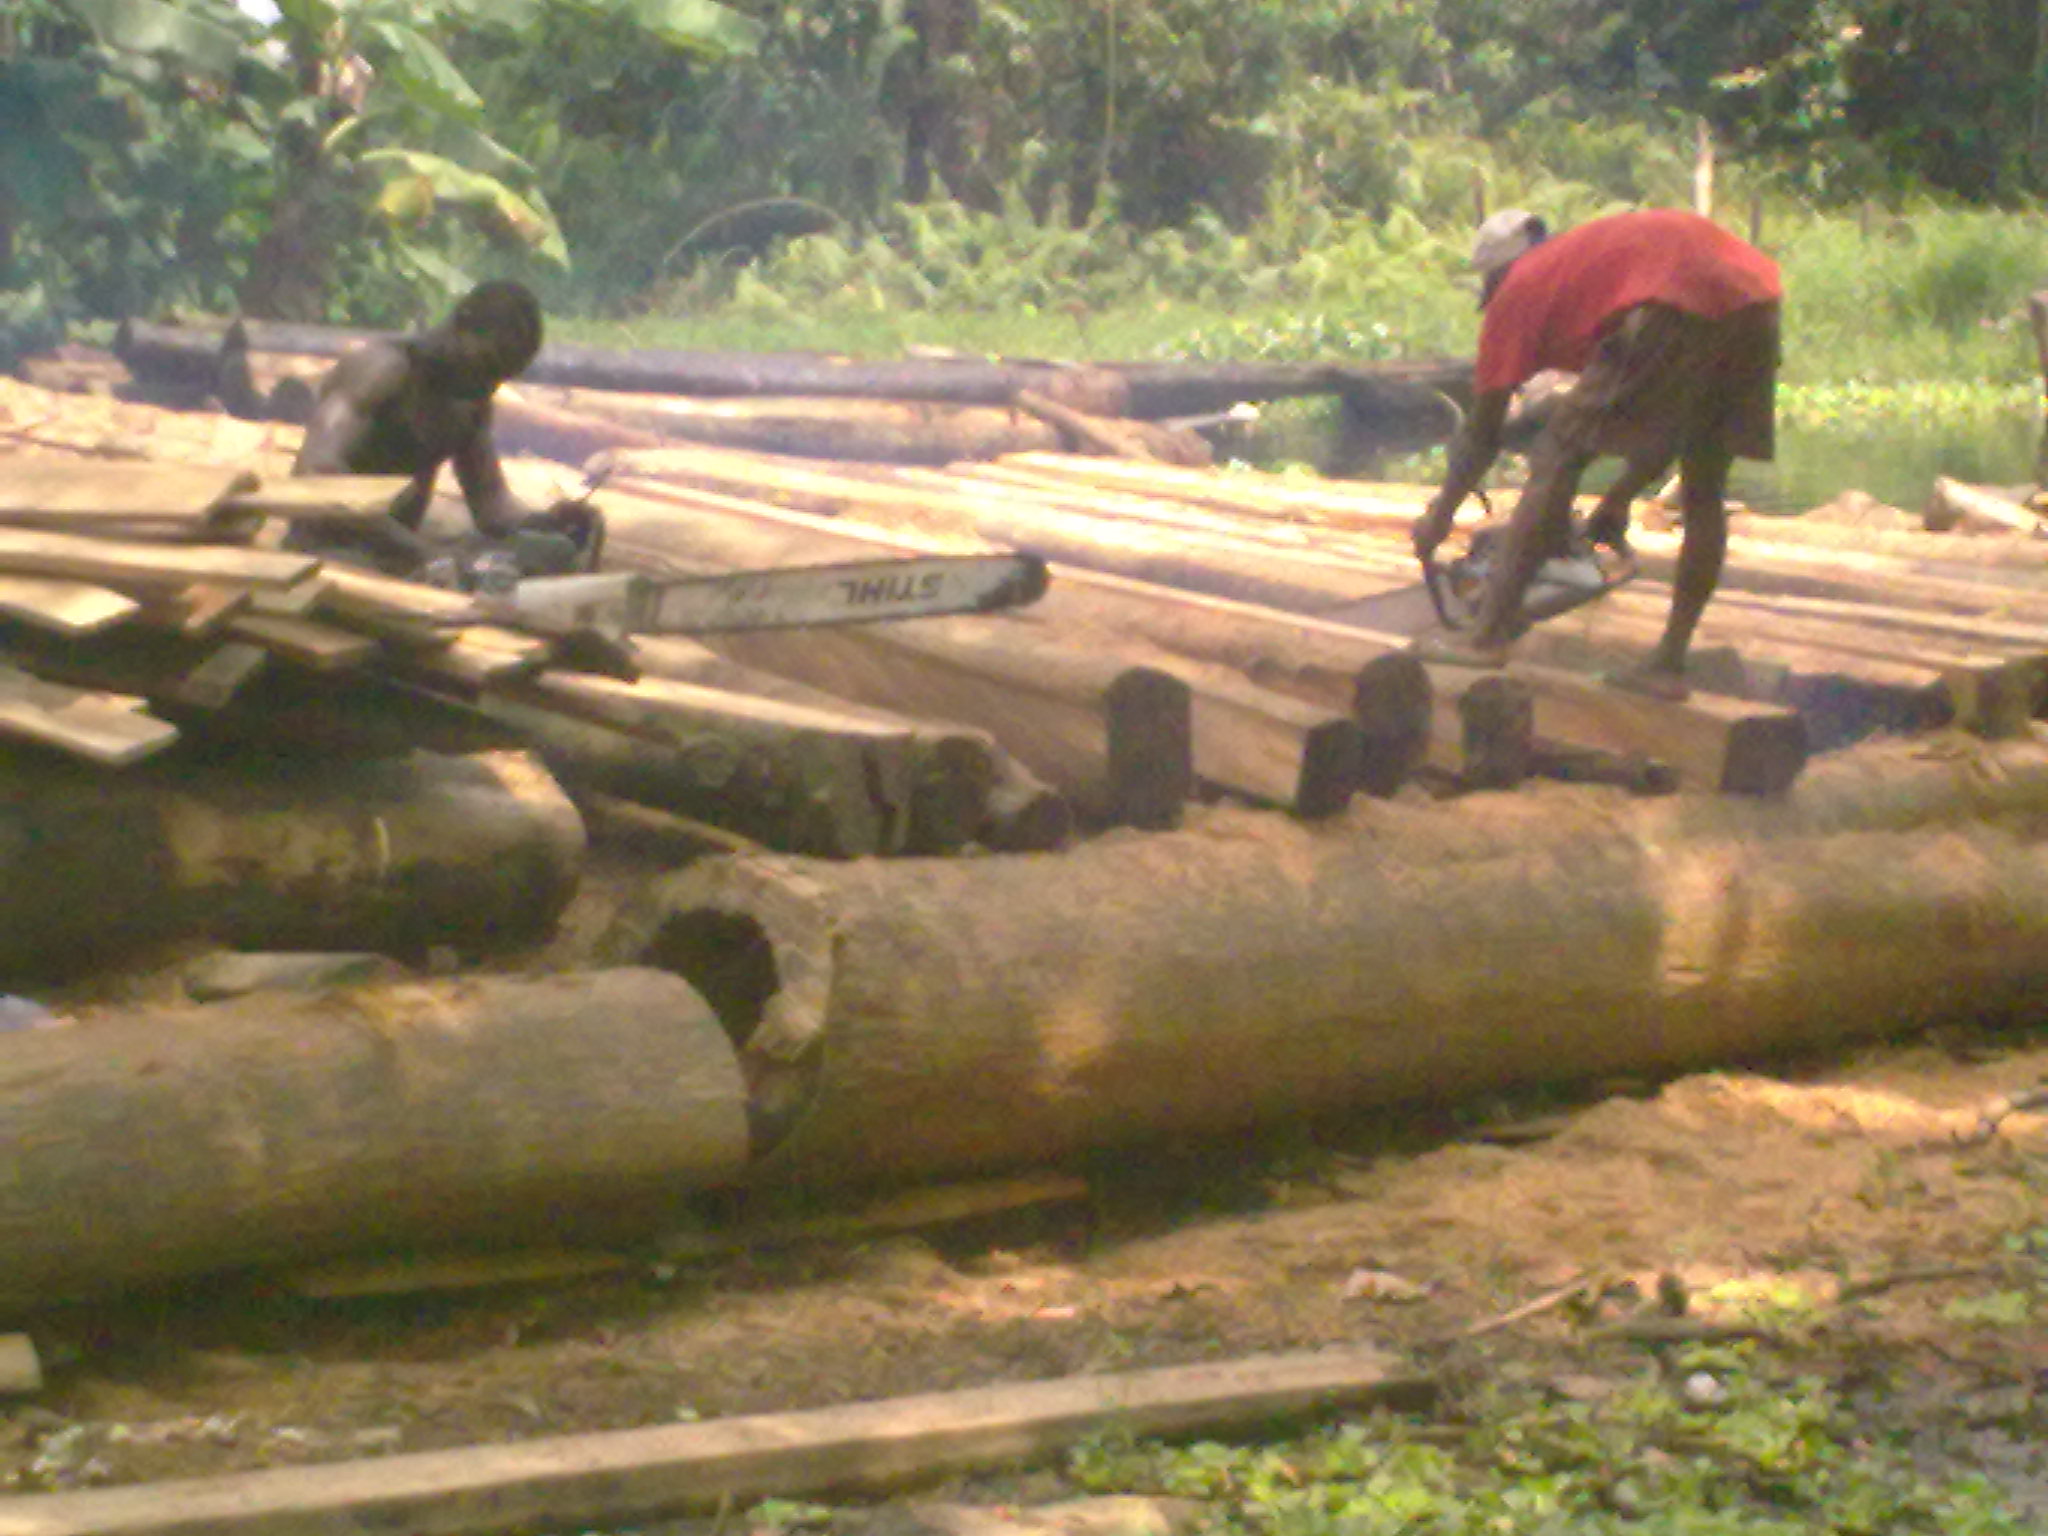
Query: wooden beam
625, 1476
321, 647
1112, 735
1016, 812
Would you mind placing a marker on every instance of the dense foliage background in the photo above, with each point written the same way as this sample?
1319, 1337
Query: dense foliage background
1111, 176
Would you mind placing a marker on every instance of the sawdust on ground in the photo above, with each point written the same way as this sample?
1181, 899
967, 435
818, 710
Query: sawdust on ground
1775, 1187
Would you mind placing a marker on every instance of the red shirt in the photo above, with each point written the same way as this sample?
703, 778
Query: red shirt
1557, 298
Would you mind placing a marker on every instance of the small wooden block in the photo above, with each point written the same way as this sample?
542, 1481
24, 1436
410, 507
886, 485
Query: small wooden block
215, 680
65, 607
103, 728
21, 1373
322, 647
206, 606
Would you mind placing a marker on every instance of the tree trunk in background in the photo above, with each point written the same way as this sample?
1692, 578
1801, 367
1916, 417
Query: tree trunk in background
934, 139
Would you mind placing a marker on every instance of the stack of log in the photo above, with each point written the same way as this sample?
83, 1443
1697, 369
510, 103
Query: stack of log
137, 609
861, 1019
1282, 611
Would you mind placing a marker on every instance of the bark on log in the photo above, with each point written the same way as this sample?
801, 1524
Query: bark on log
397, 855
1251, 968
287, 1128
961, 787
796, 777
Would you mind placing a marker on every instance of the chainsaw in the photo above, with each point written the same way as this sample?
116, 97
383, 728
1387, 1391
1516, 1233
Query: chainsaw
853, 592
1584, 573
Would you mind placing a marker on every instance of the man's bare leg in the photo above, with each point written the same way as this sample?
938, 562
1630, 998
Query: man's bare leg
1539, 526
1701, 554
1609, 522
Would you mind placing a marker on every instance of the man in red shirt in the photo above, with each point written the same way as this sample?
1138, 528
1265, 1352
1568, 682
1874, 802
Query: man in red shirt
1671, 324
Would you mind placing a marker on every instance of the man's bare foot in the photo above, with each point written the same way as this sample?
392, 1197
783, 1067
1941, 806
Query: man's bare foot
1656, 682
1458, 651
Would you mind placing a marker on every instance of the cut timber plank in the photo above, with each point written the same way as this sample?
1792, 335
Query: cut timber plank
1260, 495
325, 498
367, 595
118, 563
88, 489
620, 1477
103, 728
61, 606
476, 657
321, 647
296, 601
1722, 744
1714, 743
1974, 509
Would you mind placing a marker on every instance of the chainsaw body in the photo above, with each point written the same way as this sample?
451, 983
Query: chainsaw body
1584, 573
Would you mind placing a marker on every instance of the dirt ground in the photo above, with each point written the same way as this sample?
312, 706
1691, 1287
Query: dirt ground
1772, 1188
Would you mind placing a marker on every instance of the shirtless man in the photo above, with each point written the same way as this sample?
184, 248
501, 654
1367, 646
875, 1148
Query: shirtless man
408, 404
1671, 324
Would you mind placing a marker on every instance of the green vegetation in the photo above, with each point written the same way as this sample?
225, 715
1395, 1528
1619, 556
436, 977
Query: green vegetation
1720, 1444
1148, 178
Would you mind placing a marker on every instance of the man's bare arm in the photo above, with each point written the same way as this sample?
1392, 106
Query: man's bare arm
493, 507
350, 397
1474, 447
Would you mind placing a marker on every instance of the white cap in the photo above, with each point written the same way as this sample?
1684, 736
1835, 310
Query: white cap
1503, 237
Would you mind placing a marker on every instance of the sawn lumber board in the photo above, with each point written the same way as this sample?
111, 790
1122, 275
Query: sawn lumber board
624, 1476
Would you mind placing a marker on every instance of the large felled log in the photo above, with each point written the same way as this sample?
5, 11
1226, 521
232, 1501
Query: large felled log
284, 1127
395, 854
1221, 563
1310, 759
959, 786
1253, 968
792, 776
1151, 391
1110, 734
877, 431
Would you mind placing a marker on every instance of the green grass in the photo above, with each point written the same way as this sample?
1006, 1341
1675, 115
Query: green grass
1910, 297
1717, 1445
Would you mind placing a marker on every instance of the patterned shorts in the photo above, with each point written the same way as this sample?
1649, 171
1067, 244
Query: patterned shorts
1663, 381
